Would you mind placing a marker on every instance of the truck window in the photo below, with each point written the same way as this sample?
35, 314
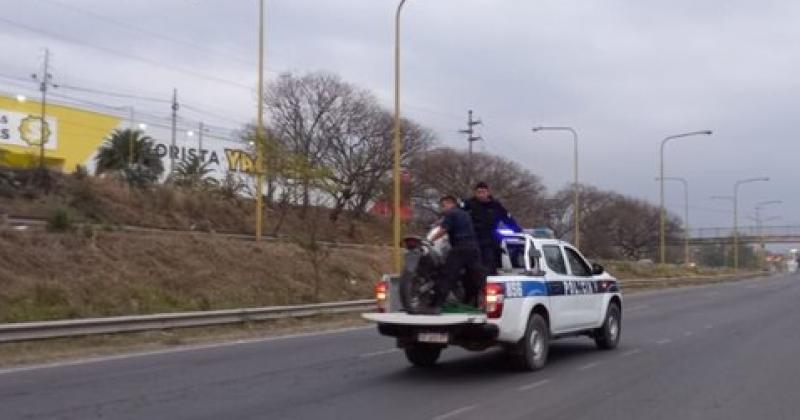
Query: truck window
576, 263
554, 258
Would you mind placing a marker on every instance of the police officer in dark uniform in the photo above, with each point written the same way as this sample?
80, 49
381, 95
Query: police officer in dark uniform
487, 214
464, 254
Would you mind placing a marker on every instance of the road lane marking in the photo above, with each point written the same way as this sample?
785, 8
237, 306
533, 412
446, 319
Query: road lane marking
455, 412
86, 361
663, 341
378, 353
533, 385
631, 352
687, 333
709, 326
589, 366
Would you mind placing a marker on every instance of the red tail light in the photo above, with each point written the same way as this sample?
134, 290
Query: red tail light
494, 299
381, 293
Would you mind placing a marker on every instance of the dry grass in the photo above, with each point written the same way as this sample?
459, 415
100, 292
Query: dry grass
80, 274
107, 201
634, 270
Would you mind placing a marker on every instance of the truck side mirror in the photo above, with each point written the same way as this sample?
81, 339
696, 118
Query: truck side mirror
597, 269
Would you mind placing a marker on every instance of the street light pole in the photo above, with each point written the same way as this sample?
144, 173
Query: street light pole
662, 225
760, 226
685, 215
575, 185
728, 198
260, 126
397, 228
736, 216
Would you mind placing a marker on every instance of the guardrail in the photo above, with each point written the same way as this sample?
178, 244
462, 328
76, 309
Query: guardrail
25, 331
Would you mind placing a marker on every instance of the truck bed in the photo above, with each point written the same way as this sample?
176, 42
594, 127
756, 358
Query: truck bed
402, 318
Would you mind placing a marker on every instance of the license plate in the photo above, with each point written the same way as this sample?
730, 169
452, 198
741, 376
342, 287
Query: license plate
432, 337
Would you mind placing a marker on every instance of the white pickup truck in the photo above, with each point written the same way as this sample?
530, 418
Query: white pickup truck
545, 290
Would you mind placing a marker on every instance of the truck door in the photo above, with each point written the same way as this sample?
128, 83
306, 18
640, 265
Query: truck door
589, 303
563, 306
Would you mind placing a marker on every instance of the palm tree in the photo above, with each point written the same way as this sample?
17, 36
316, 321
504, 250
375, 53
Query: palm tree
114, 154
193, 173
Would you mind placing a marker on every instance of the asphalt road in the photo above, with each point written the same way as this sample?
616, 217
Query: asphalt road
728, 351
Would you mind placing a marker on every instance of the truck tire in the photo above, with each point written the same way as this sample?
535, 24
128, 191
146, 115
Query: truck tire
531, 352
422, 355
607, 336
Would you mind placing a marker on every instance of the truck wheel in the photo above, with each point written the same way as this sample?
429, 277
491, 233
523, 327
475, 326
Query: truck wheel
607, 336
421, 355
533, 348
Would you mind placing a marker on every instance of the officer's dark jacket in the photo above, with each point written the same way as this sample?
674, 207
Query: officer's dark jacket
486, 217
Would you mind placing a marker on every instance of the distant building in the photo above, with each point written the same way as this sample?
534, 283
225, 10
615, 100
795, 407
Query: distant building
72, 135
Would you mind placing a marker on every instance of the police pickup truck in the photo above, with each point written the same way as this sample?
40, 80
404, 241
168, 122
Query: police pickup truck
545, 290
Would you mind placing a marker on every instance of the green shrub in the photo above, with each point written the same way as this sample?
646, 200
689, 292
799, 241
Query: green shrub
60, 220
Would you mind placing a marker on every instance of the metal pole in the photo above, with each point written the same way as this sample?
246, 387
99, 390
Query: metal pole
43, 126
662, 213
736, 217
173, 143
200, 138
686, 256
131, 139
397, 228
260, 126
575, 184
685, 183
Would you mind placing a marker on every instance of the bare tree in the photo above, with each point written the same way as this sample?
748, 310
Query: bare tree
446, 171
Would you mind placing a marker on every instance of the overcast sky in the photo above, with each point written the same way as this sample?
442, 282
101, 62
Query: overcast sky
624, 74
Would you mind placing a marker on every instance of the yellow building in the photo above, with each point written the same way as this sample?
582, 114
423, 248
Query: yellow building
72, 135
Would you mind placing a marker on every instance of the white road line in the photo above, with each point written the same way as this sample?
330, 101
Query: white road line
533, 385
589, 366
175, 350
663, 341
455, 412
378, 353
709, 326
687, 333
631, 352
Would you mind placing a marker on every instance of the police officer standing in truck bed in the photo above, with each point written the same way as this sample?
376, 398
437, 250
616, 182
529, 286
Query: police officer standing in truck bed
487, 214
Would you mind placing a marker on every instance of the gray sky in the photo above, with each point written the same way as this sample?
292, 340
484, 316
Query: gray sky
625, 74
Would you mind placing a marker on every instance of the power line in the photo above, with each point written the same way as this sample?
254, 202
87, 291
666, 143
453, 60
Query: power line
125, 25
110, 51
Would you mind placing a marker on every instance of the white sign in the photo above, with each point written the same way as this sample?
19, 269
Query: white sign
25, 130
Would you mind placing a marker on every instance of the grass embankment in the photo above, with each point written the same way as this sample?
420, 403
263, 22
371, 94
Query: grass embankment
109, 202
74, 275
634, 270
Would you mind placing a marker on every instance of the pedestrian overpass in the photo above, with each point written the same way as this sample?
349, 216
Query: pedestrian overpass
747, 235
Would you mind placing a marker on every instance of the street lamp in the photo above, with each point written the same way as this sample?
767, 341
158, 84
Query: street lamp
736, 215
727, 198
575, 185
685, 214
21, 98
260, 125
662, 234
760, 226
396, 227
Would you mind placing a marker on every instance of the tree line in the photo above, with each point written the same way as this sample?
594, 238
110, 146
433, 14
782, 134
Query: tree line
329, 143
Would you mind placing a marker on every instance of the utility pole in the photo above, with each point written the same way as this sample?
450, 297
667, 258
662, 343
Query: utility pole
471, 138
132, 128
44, 83
200, 138
173, 144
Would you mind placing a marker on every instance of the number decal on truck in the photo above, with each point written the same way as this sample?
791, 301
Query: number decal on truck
513, 289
